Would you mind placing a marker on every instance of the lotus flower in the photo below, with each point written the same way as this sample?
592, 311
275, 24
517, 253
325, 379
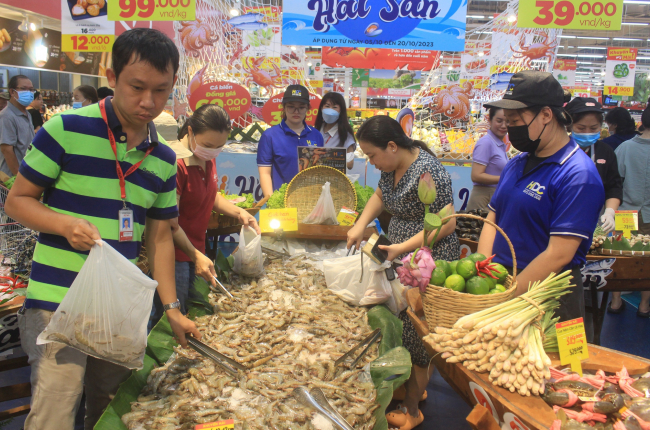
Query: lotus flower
426, 189
416, 272
446, 211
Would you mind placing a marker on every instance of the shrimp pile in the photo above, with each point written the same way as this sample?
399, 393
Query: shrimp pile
288, 329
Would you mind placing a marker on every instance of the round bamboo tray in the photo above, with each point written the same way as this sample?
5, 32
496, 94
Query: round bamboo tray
443, 307
305, 189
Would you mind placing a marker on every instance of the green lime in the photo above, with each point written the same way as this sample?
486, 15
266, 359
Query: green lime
500, 272
456, 283
453, 267
466, 268
490, 281
477, 285
438, 277
495, 291
444, 265
501, 288
476, 257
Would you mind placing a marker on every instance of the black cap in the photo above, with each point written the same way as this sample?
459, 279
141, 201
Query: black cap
582, 104
296, 93
531, 88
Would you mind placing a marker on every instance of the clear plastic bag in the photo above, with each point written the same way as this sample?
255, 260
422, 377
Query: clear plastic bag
106, 310
342, 277
324, 211
249, 260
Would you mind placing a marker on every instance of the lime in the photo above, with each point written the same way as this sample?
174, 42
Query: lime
490, 281
453, 267
466, 268
500, 287
500, 272
477, 285
495, 291
476, 257
444, 265
438, 277
456, 283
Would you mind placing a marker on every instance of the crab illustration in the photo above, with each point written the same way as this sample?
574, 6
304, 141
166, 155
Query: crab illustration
534, 51
453, 102
269, 80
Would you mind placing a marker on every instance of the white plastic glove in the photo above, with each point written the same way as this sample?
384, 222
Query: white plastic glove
608, 220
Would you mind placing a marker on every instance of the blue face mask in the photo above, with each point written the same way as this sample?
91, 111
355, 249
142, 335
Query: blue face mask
330, 116
586, 139
25, 97
76, 105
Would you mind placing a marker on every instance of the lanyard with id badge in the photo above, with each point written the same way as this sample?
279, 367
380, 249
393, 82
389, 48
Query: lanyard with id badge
125, 215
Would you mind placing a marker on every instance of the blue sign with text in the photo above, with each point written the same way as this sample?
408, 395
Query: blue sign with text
396, 24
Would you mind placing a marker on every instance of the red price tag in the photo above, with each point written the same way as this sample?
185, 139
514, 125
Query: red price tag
234, 98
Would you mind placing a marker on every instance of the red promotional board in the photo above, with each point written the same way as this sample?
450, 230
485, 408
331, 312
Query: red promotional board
272, 110
565, 65
385, 59
234, 98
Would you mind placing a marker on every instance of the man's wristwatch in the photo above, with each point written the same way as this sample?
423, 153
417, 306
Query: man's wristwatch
175, 305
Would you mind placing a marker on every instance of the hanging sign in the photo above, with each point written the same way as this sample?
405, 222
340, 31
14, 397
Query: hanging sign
565, 72
411, 24
151, 10
619, 71
572, 343
272, 110
375, 58
571, 14
234, 98
85, 26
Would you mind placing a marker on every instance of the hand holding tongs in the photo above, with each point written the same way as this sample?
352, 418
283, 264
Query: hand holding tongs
367, 342
224, 289
227, 363
353, 248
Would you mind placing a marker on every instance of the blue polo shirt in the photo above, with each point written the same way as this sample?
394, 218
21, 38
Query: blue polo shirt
278, 149
561, 196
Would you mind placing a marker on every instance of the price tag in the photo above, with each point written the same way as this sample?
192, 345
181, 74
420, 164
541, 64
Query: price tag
572, 343
81, 43
272, 110
152, 10
626, 221
234, 98
618, 91
603, 15
274, 219
217, 425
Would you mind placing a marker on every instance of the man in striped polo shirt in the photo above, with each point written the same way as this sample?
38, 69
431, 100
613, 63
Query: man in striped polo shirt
73, 166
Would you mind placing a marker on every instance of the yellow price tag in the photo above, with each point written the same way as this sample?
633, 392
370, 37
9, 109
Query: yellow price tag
618, 91
83, 43
603, 15
152, 10
572, 343
274, 219
626, 221
217, 425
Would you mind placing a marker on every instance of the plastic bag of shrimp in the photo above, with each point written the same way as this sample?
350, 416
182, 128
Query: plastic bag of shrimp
324, 212
105, 311
358, 281
249, 260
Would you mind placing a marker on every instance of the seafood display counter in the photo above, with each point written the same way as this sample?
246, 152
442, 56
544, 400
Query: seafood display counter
286, 330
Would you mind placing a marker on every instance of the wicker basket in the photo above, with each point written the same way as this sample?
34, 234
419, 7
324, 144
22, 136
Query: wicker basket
443, 307
306, 187
222, 221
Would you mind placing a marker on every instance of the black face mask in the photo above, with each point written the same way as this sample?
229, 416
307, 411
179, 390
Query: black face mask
520, 139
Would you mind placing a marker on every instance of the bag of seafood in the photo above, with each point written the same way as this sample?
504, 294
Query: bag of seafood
324, 212
249, 260
106, 310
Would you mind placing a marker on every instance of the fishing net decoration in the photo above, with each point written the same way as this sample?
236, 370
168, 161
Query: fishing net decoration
244, 48
463, 81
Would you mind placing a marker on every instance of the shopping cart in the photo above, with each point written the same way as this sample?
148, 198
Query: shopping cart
17, 242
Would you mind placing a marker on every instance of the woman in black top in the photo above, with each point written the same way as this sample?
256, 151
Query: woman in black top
587, 116
34, 110
621, 127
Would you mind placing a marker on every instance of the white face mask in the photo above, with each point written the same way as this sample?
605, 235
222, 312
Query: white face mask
203, 153
349, 156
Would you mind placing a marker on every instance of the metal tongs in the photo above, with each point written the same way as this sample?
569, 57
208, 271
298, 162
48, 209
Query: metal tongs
367, 342
316, 399
224, 289
227, 363
352, 249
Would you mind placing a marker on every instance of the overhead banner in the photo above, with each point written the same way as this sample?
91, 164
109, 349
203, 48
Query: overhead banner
397, 79
85, 26
571, 14
411, 24
619, 71
375, 58
150, 10
565, 72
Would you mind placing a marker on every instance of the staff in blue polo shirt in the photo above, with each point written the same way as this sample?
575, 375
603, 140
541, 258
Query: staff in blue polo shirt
549, 197
277, 152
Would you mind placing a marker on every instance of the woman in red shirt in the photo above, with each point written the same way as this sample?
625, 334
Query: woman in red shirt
204, 134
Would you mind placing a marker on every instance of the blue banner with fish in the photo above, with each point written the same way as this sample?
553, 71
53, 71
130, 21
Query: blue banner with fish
396, 24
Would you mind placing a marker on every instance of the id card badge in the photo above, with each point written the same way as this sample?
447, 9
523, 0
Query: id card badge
126, 225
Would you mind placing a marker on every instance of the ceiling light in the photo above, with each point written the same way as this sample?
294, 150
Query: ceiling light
293, 48
566, 55
636, 2
634, 23
592, 47
476, 16
594, 38
566, 37
623, 38
480, 54
512, 18
643, 58
591, 55
309, 64
584, 62
234, 12
32, 26
24, 26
